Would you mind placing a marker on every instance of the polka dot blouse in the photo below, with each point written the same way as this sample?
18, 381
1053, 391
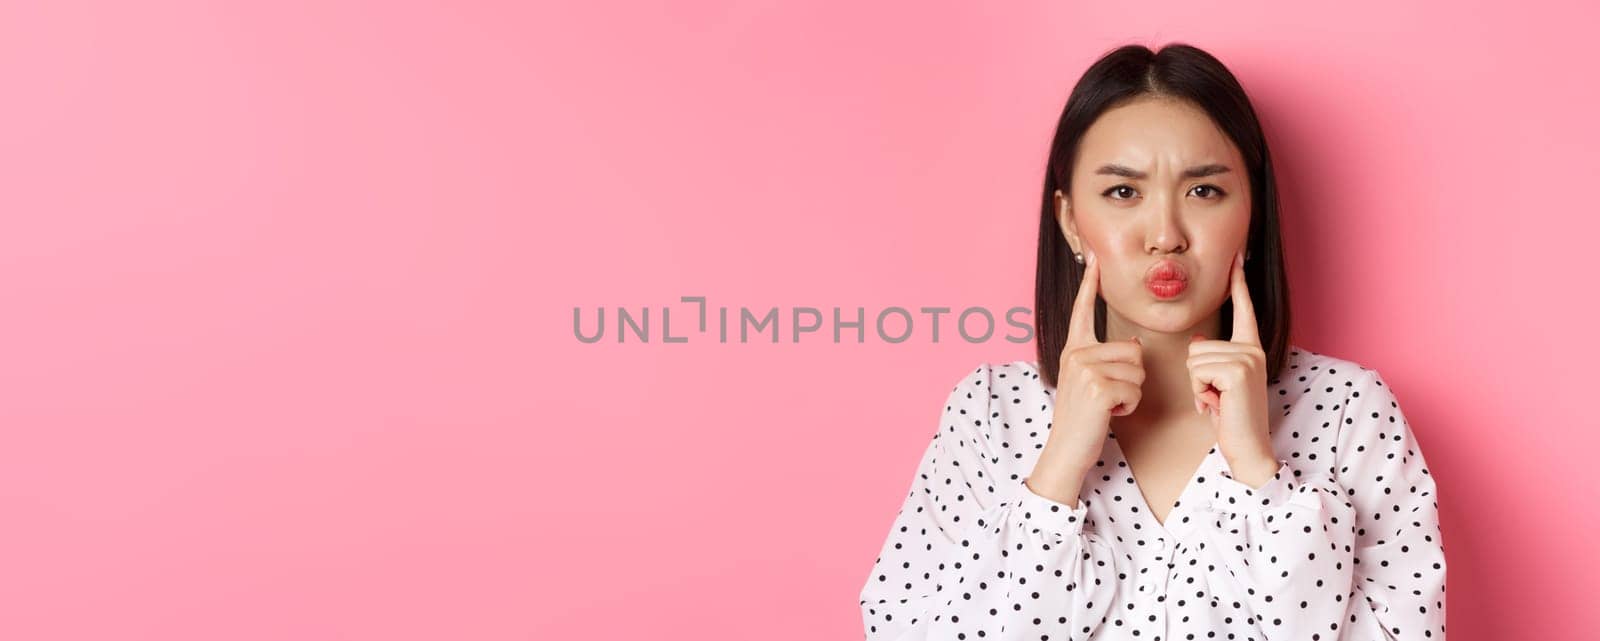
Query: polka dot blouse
1342, 543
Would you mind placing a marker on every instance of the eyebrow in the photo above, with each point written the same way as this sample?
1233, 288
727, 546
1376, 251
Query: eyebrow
1192, 172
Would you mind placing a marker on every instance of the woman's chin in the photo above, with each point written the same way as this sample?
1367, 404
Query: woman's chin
1166, 319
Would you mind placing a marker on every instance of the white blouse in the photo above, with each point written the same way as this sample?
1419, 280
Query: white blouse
1342, 544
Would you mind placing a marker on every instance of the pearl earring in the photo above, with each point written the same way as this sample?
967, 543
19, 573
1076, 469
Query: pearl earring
1077, 257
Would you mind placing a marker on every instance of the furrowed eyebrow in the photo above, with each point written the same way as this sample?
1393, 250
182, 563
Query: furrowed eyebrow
1192, 172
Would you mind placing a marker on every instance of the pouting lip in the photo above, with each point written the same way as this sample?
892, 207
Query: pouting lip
1166, 270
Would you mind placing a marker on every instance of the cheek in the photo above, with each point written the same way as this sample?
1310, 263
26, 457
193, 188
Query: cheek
1226, 224
1238, 222
1218, 242
1112, 241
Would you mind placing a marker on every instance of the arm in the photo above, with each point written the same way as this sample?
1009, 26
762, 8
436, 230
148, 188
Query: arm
974, 550
1398, 592
1354, 553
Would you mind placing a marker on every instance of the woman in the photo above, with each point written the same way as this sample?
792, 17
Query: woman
1171, 467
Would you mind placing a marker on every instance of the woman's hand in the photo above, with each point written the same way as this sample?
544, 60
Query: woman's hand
1229, 379
1095, 381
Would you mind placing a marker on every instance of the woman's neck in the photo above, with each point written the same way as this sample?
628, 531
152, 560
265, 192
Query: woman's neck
1166, 391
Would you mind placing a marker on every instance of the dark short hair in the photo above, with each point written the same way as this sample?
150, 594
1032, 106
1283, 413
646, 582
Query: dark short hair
1177, 71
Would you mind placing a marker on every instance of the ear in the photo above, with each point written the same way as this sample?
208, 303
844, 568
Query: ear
1065, 220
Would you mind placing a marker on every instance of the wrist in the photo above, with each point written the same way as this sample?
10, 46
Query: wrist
1255, 469
1056, 483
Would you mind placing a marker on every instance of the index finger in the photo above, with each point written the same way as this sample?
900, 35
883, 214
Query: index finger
1244, 311
1080, 324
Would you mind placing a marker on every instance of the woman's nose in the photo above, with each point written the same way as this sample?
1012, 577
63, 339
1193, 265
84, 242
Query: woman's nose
1164, 226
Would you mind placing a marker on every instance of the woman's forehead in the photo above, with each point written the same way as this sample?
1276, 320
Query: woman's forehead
1155, 135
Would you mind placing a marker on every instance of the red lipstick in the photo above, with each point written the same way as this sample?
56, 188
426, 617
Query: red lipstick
1166, 279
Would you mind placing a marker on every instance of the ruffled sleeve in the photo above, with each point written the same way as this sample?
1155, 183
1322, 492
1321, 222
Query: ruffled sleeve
1288, 545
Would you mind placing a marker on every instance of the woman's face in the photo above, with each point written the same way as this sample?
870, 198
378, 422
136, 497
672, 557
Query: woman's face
1156, 182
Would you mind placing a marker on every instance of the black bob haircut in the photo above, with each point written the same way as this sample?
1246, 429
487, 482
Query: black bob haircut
1183, 72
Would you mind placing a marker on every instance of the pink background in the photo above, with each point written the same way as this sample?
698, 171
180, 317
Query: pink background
288, 288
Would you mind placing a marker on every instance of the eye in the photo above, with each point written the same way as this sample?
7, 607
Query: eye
1115, 189
1213, 188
